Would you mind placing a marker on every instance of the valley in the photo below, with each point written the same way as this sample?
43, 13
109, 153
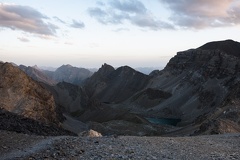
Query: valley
196, 97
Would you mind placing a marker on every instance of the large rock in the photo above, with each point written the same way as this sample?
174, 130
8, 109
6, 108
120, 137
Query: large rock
90, 133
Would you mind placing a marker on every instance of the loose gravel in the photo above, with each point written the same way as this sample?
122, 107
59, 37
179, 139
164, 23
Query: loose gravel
122, 147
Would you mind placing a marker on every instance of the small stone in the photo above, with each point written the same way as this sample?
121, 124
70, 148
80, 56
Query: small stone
81, 151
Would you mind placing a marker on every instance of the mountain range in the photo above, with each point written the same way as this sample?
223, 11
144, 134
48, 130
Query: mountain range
198, 92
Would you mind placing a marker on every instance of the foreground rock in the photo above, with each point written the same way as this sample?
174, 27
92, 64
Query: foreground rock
65, 147
22, 95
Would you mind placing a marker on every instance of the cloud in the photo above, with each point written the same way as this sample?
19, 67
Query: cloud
77, 24
132, 11
100, 3
200, 14
149, 22
121, 29
68, 43
23, 39
25, 18
59, 20
132, 6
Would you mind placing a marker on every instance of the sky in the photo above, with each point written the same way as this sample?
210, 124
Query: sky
88, 33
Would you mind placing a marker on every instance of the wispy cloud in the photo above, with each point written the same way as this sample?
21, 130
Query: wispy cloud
23, 39
200, 14
59, 20
77, 24
25, 18
133, 11
68, 43
130, 6
121, 29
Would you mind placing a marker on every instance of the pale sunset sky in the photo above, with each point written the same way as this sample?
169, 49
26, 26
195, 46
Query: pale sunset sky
88, 33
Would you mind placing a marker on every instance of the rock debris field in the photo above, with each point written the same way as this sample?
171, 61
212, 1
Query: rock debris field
22, 146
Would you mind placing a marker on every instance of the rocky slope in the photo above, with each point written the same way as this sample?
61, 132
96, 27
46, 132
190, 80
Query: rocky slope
21, 95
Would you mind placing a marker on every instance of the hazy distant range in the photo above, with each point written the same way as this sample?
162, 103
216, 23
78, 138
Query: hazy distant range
145, 70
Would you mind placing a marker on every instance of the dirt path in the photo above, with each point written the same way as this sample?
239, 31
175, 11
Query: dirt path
25, 152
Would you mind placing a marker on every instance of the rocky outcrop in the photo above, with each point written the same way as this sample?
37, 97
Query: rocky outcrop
21, 95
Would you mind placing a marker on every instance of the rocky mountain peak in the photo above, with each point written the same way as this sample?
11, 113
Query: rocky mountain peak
216, 58
110, 85
69, 74
228, 46
126, 69
105, 69
65, 66
128, 72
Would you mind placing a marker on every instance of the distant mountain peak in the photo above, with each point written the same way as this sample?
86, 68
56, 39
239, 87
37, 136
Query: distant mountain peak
106, 69
127, 69
36, 67
105, 65
66, 66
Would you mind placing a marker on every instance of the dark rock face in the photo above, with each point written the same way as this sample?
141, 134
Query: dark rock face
23, 96
69, 74
109, 85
